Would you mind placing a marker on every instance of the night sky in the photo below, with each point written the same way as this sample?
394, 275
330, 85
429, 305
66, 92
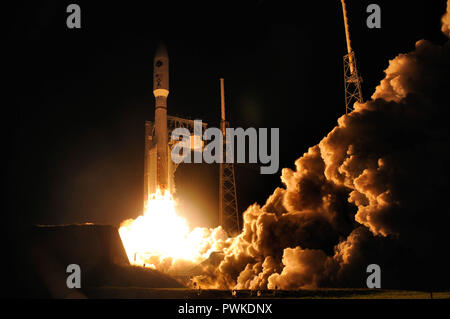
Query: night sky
74, 122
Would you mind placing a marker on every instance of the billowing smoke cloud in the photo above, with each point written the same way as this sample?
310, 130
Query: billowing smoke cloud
375, 190
446, 21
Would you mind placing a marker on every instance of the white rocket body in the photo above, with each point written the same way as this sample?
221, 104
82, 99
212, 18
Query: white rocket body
158, 166
161, 91
159, 171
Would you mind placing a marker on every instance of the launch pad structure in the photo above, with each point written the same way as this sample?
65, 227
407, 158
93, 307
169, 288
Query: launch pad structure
151, 169
352, 79
159, 169
228, 205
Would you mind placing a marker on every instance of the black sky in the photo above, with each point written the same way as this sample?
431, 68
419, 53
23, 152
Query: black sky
75, 121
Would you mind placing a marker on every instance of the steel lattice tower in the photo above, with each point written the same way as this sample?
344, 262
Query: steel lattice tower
228, 206
352, 79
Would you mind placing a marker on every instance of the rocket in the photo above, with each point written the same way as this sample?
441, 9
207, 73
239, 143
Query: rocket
161, 91
159, 169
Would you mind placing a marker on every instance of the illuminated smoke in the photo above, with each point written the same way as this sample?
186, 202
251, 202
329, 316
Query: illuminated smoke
446, 21
374, 190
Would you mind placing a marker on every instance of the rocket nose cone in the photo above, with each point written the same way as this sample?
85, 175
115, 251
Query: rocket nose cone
161, 51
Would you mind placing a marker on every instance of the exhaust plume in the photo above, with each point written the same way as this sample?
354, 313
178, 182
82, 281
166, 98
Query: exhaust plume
374, 190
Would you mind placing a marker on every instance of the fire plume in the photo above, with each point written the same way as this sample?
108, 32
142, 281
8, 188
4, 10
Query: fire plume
160, 238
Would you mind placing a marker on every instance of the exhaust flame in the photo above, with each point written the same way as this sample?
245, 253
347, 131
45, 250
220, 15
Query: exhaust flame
160, 238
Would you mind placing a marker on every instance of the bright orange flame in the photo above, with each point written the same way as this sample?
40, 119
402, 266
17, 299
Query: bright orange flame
161, 236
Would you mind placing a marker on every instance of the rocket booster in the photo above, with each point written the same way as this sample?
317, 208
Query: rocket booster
161, 91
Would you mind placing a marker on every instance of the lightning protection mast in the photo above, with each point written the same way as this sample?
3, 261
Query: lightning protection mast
352, 79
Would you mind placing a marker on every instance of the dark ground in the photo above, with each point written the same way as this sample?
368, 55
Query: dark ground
181, 293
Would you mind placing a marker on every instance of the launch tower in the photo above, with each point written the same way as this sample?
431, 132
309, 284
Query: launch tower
228, 207
352, 79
